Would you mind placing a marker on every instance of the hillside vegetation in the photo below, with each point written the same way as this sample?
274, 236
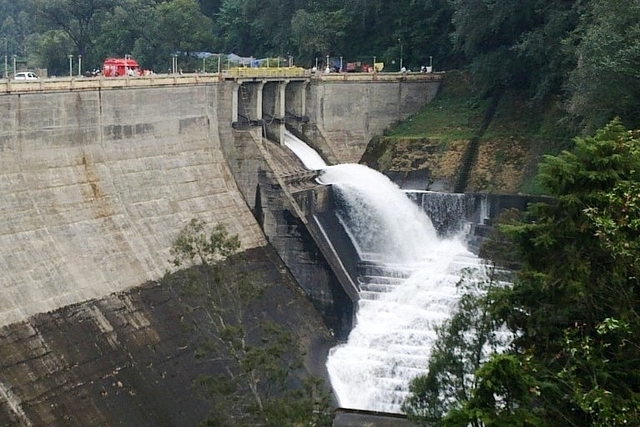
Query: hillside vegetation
464, 141
571, 308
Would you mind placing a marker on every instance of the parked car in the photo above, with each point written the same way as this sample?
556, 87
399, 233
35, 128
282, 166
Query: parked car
26, 75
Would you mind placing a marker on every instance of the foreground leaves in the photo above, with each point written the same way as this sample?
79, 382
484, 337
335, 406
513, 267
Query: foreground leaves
573, 308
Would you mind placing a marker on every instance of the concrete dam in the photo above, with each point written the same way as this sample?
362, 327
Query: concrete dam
97, 179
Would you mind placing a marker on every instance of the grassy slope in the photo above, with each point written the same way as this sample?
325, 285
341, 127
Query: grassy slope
437, 138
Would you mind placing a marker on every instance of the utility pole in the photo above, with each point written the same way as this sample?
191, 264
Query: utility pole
70, 66
6, 65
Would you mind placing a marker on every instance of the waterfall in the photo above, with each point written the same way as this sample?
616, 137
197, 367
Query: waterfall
449, 211
407, 279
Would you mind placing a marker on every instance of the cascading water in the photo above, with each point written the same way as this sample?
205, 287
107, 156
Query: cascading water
307, 155
384, 224
448, 211
407, 280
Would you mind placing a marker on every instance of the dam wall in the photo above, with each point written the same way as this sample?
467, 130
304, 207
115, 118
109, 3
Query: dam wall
130, 359
347, 112
96, 181
96, 184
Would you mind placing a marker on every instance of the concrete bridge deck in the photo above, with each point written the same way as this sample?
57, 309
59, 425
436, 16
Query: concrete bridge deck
240, 76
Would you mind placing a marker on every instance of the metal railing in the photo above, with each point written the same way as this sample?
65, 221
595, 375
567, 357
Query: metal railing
265, 72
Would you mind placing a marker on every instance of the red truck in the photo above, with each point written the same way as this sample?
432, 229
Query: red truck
115, 67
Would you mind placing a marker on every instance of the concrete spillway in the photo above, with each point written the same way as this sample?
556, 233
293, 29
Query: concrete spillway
406, 285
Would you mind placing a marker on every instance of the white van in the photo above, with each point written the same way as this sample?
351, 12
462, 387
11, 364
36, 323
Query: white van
26, 75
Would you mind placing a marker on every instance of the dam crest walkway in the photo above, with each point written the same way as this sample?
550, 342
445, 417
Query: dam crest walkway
239, 75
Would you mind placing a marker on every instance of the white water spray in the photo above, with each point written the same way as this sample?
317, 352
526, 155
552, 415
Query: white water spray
307, 155
408, 286
386, 226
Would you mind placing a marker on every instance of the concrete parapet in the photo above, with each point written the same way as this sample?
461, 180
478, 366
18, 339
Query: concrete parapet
377, 77
95, 83
265, 72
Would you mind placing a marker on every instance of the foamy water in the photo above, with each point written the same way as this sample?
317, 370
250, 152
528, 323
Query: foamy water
394, 332
408, 287
383, 222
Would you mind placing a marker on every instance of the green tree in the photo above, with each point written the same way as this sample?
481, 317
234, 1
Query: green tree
259, 380
16, 35
79, 20
317, 33
516, 45
50, 47
196, 244
210, 7
122, 28
234, 27
573, 307
463, 344
272, 27
179, 27
604, 83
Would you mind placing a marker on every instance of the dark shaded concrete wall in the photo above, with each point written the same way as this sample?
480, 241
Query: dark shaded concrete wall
128, 359
472, 213
260, 168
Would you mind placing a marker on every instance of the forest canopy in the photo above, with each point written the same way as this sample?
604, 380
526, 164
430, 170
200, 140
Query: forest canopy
583, 53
